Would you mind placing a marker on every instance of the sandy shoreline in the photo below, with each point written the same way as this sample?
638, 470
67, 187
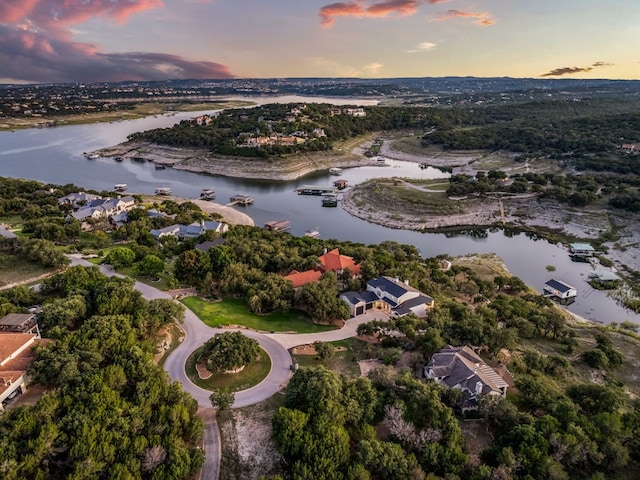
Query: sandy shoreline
229, 215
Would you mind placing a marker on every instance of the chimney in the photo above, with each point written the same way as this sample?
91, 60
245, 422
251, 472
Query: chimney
406, 282
324, 252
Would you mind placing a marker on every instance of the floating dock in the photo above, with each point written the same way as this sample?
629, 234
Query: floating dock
312, 233
163, 191
120, 187
330, 200
335, 171
160, 166
207, 194
240, 199
278, 225
341, 184
313, 190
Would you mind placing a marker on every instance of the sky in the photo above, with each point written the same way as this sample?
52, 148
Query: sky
43, 41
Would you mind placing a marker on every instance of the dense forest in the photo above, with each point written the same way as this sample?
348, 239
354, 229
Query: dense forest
109, 411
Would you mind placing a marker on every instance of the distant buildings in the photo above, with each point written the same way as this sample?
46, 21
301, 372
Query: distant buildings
192, 230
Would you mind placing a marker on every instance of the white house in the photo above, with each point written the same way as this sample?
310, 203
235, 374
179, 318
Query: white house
390, 295
559, 289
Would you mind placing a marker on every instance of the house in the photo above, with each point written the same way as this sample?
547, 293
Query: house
389, 295
19, 323
334, 262
7, 233
355, 112
209, 244
77, 199
15, 358
192, 230
559, 289
298, 279
631, 148
462, 368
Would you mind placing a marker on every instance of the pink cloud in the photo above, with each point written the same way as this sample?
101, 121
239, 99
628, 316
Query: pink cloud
481, 18
36, 45
361, 9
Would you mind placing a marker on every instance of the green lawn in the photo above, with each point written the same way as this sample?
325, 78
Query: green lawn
344, 362
233, 311
250, 376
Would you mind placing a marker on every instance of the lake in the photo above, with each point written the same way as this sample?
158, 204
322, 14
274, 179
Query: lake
55, 155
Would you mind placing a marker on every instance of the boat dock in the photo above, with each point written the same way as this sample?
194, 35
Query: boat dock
207, 194
312, 233
278, 225
163, 191
313, 190
335, 171
120, 187
330, 200
240, 199
341, 184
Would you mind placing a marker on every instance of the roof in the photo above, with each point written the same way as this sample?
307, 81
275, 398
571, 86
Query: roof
7, 233
462, 366
356, 297
605, 275
333, 261
205, 246
16, 319
582, 246
406, 306
559, 285
10, 343
298, 279
392, 287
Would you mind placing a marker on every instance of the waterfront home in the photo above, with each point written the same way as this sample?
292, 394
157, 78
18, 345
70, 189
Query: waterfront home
391, 296
77, 199
192, 230
462, 368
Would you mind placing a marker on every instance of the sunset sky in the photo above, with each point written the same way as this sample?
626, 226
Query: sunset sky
108, 40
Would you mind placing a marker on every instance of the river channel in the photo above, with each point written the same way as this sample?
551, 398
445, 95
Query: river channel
55, 155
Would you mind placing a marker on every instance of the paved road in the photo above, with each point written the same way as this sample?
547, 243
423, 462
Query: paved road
197, 333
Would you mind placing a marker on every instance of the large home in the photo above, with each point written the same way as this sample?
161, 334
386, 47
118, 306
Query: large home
15, 358
104, 208
19, 323
332, 261
327, 262
389, 295
77, 199
192, 230
462, 368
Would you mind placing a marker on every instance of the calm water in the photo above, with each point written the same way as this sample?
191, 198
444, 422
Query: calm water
55, 155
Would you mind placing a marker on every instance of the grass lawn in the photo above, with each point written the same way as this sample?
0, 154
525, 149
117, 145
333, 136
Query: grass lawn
250, 376
344, 362
233, 311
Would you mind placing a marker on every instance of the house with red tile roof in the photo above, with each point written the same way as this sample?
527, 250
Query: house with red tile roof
15, 358
334, 262
298, 279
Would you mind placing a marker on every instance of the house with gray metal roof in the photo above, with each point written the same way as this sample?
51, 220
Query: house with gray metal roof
389, 295
462, 368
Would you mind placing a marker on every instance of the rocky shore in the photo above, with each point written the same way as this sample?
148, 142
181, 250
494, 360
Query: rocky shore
202, 161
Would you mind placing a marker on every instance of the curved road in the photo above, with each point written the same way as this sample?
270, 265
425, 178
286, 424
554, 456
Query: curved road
197, 333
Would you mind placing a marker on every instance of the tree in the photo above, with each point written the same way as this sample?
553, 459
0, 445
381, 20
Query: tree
324, 350
150, 266
229, 351
222, 399
120, 257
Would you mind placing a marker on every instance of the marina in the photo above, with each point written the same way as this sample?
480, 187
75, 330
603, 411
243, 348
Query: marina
54, 155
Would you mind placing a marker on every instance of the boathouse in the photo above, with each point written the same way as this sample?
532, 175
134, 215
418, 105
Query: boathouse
341, 184
559, 289
581, 249
278, 225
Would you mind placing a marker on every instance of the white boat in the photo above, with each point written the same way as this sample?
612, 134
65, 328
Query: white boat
120, 187
335, 171
312, 233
